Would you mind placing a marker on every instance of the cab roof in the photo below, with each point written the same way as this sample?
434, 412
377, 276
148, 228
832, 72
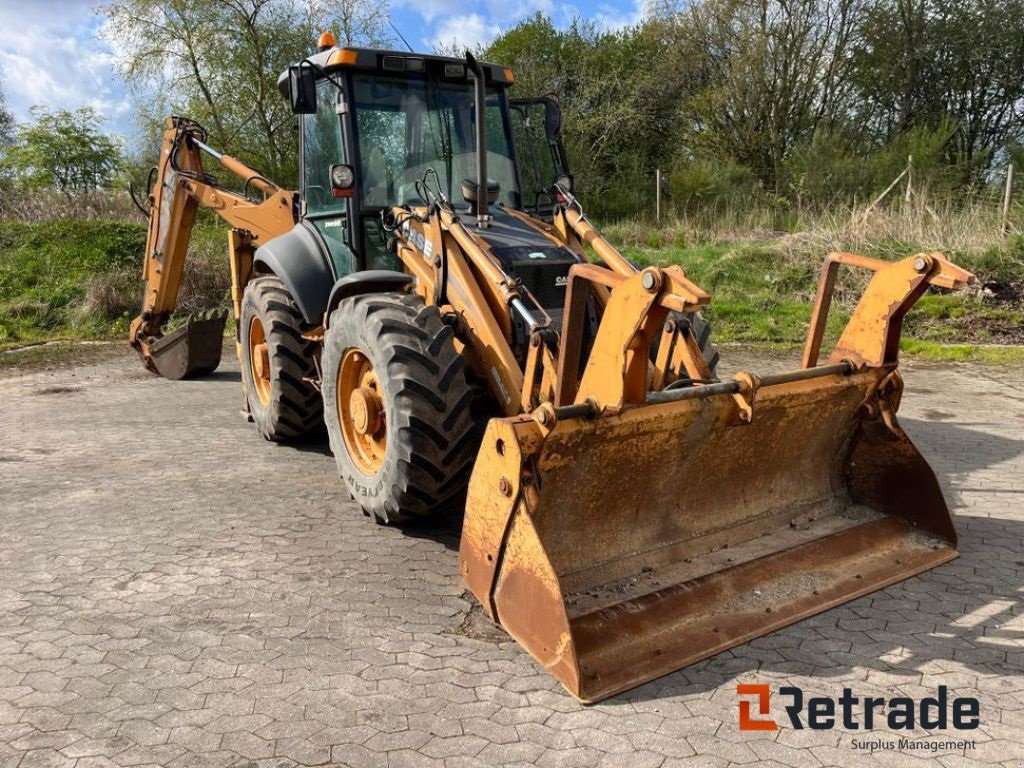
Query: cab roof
398, 62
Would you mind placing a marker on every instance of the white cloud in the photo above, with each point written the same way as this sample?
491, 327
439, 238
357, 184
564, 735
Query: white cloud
470, 31
446, 21
610, 18
51, 56
504, 12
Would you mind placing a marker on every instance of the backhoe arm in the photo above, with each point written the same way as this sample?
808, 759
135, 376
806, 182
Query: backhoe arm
181, 186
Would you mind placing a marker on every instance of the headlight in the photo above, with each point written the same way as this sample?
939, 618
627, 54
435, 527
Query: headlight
342, 176
565, 182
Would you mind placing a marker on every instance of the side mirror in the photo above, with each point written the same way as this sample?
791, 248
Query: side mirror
552, 118
302, 89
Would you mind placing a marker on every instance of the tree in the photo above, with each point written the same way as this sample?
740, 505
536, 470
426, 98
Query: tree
922, 62
218, 61
619, 92
6, 120
64, 150
772, 74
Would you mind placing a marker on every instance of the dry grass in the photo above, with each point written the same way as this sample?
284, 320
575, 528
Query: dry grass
205, 283
941, 226
49, 205
949, 228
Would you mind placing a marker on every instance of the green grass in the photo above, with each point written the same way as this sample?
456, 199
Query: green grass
77, 279
81, 279
47, 270
762, 293
755, 296
973, 353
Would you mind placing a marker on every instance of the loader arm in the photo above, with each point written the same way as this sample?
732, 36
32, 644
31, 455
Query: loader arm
180, 188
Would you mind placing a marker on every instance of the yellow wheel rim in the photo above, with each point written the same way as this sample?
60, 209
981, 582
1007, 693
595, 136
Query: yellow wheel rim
361, 412
259, 360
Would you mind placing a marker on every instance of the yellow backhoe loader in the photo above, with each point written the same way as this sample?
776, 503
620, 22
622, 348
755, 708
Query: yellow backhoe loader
435, 296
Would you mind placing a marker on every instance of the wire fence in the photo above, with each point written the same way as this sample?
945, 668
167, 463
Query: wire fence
994, 208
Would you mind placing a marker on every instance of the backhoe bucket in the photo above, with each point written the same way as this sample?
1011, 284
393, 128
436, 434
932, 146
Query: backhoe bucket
618, 541
194, 349
633, 545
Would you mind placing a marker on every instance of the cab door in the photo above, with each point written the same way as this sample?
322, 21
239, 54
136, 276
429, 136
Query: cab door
322, 146
536, 133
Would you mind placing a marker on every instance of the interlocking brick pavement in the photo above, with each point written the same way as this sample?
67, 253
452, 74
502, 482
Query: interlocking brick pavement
175, 591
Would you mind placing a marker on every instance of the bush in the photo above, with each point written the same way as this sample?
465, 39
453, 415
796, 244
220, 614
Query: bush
701, 183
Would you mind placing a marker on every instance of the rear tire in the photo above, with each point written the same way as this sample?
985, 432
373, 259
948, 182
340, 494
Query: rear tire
277, 363
397, 406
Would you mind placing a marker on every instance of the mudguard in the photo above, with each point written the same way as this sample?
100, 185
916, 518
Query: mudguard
367, 281
300, 260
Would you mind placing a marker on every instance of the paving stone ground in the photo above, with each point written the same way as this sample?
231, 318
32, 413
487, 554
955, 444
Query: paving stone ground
175, 591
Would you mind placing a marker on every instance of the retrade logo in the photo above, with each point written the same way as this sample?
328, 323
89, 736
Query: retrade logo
938, 712
762, 693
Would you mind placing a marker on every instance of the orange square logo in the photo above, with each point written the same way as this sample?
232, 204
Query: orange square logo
762, 692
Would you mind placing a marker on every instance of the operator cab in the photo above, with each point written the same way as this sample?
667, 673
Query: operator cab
373, 122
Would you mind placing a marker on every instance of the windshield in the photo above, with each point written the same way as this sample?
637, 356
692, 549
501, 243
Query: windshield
406, 126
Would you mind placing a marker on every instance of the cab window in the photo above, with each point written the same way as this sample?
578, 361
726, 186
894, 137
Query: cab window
321, 147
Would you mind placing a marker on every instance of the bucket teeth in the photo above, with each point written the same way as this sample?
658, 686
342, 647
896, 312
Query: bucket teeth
207, 315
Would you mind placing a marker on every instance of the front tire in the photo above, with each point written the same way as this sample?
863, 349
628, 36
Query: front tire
277, 363
397, 406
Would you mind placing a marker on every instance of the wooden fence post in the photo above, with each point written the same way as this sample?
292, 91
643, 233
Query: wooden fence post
1007, 194
657, 195
910, 176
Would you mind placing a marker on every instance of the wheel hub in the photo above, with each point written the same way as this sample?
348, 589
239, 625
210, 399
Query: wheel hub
259, 360
361, 411
365, 407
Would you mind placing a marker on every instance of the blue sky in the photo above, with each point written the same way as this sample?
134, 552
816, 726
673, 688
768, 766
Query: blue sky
51, 52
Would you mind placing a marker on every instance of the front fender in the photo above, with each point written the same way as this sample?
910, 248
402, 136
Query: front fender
300, 260
367, 281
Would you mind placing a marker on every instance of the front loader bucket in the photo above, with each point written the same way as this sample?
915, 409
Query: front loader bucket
194, 349
620, 548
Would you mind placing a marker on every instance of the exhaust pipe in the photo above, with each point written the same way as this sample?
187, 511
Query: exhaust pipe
482, 204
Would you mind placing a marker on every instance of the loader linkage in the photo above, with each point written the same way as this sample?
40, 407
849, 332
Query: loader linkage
764, 499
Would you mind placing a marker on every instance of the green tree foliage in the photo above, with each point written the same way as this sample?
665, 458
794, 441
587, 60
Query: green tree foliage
217, 61
922, 62
63, 150
798, 101
618, 92
803, 101
772, 75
